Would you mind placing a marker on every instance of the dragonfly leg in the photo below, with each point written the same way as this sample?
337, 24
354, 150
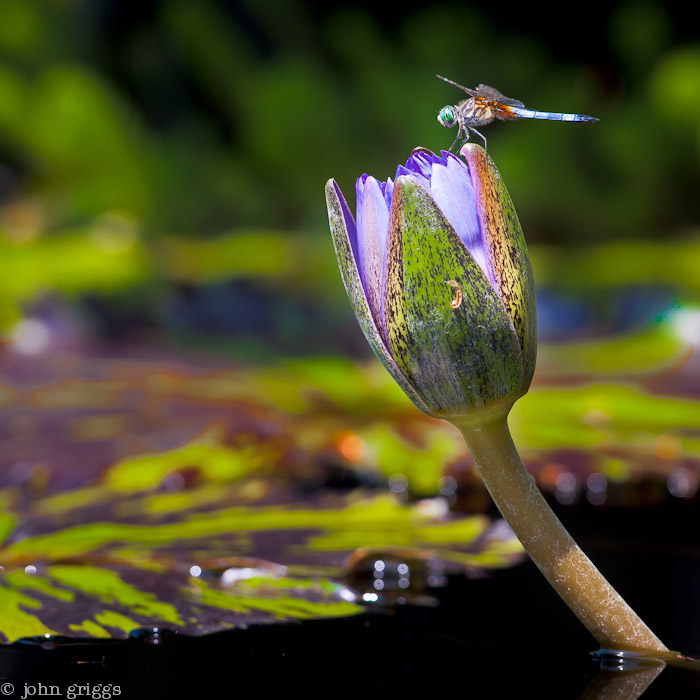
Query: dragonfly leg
482, 137
461, 133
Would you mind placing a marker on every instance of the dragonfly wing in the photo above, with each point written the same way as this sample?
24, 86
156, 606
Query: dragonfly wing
493, 94
475, 93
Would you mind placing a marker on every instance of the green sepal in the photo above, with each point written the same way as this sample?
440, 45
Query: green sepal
461, 359
506, 252
337, 213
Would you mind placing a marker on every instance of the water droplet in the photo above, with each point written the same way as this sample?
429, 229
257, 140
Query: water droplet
45, 641
346, 594
617, 660
183, 479
30, 337
235, 574
566, 488
597, 486
686, 323
152, 635
447, 486
226, 572
398, 572
433, 507
398, 483
682, 483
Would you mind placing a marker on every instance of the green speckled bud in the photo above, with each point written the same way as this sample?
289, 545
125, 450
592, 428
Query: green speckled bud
437, 271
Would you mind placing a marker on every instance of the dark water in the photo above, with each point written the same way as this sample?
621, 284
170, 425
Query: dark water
506, 636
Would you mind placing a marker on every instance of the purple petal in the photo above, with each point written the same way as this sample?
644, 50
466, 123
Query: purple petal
452, 189
388, 191
415, 173
372, 231
349, 222
421, 163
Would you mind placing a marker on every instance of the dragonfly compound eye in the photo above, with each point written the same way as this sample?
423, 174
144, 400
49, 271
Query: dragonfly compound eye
446, 117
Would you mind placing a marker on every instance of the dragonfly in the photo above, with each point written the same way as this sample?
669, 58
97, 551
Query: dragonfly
486, 104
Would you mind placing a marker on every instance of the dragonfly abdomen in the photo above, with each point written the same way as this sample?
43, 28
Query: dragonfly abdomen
552, 116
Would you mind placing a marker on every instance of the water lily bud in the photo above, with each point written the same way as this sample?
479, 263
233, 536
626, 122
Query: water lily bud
437, 272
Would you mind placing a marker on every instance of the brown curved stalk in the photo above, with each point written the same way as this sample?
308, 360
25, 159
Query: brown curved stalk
572, 574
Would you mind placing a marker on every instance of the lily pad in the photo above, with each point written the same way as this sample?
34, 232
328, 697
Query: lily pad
141, 493
150, 490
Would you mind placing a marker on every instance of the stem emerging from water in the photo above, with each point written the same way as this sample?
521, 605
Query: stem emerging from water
574, 577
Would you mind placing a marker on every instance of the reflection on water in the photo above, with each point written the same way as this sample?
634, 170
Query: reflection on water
621, 685
625, 675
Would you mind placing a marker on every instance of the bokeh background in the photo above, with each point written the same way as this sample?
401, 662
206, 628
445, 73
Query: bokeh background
177, 338
162, 163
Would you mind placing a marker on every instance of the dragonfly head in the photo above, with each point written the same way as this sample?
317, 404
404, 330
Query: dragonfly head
447, 117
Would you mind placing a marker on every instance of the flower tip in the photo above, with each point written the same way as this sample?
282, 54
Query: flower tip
476, 156
331, 190
478, 161
331, 187
421, 149
403, 184
472, 150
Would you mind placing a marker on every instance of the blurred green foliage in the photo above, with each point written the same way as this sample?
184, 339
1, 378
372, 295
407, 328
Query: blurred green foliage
123, 127
194, 122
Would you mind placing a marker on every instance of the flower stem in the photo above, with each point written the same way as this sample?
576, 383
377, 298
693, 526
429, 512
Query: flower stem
572, 574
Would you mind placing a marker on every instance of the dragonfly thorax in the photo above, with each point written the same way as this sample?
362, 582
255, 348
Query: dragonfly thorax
447, 116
